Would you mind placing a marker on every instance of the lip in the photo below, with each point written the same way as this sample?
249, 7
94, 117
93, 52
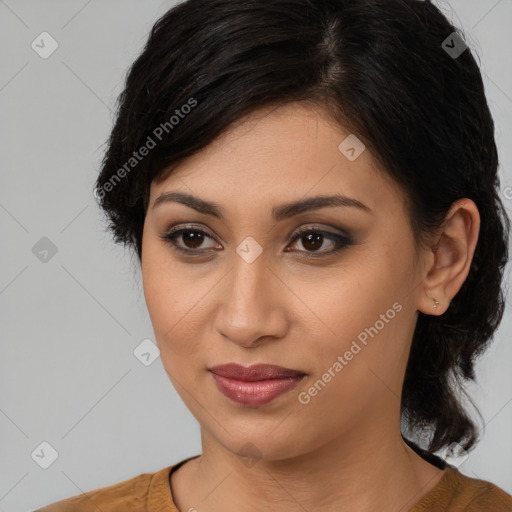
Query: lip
255, 372
256, 385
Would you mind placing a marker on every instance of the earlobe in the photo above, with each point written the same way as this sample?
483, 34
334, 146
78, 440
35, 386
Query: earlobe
431, 306
437, 308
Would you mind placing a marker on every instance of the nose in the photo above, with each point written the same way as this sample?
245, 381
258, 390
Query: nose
251, 310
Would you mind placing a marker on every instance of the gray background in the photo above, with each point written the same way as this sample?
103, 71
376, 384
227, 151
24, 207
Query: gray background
68, 375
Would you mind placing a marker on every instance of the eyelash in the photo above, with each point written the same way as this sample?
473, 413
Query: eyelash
341, 241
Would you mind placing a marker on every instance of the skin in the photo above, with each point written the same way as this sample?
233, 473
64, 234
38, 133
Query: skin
342, 451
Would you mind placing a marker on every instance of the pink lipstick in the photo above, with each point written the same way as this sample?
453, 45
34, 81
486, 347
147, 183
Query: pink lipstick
256, 385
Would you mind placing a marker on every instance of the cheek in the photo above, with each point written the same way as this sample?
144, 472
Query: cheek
365, 321
359, 367
173, 301
173, 315
368, 337
354, 297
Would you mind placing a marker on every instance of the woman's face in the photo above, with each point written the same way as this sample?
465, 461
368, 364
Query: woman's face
251, 292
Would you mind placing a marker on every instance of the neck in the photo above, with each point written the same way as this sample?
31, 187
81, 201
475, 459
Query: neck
365, 470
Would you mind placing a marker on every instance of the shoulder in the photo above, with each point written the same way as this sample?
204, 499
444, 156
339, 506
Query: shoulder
457, 492
482, 496
131, 494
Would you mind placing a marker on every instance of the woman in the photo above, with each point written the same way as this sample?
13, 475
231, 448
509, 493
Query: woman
311, 190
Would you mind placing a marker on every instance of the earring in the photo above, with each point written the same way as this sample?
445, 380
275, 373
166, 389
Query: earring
435, 303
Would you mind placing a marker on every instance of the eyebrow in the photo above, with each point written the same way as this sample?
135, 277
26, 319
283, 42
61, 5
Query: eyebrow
279, 213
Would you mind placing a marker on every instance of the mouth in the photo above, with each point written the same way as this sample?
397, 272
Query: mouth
256, 385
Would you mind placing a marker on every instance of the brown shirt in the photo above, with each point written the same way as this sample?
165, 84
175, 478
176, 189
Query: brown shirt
150, 492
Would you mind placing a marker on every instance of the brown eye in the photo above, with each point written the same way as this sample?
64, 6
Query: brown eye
191, 238
314, 239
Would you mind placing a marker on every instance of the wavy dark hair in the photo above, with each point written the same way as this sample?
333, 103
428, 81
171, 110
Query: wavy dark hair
378, 68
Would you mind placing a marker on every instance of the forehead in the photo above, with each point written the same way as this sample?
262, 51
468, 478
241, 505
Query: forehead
278, 154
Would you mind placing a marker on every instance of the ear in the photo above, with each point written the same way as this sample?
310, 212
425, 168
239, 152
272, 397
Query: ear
449, 257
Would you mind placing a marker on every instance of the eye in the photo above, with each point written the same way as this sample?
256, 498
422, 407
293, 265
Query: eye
312, 239
191, 237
